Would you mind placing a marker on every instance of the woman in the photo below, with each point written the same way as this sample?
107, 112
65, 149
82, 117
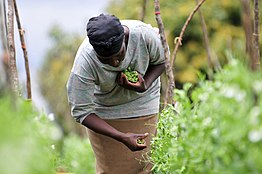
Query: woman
117, 112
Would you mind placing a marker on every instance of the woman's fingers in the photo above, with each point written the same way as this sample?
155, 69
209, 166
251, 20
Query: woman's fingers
121, 78
140, 78
141, 140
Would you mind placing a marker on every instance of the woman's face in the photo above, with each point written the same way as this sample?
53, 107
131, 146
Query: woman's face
116, 59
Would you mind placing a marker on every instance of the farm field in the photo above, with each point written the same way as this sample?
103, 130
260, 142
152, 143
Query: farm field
200, 59
214, 127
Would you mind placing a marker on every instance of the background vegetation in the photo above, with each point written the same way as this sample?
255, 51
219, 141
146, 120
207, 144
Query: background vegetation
224, 25
54, 74
215, 126
33, 144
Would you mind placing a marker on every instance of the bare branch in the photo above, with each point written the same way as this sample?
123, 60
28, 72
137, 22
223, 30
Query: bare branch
256, 58
4, 57
169, 72
247, 24
23, 45
248, 28
143, 11
179, 43
206, 43
11, 48
3, 23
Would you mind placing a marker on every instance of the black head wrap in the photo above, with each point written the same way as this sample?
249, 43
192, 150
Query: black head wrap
105, 34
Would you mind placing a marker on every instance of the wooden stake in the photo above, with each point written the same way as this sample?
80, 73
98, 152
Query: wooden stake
256, 58
179, 39
169, 72
143, 11
23, 45
210, 63
11, 48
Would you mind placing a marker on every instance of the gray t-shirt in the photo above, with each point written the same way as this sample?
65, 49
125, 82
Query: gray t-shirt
92, 86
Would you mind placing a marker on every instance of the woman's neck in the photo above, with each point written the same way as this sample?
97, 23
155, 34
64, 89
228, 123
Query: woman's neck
126, 31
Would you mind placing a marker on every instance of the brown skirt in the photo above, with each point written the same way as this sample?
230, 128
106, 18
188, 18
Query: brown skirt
113, 157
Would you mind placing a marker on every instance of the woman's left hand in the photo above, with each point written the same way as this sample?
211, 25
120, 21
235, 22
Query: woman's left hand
139, 86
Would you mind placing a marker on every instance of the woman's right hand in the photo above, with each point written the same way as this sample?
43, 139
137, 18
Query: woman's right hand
139, 86
98, 125
130, 140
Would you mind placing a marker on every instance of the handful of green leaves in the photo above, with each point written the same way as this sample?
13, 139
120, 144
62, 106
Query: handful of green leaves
140, 141
131, 75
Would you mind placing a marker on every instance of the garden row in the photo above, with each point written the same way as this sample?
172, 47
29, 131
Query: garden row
215, 127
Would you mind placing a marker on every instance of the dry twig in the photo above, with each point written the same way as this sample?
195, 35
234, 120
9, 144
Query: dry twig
179, 39
169, 72
11, 48
256, 58
143, 11
23, 45
206, 43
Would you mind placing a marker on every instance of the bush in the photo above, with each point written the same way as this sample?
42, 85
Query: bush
25, 139
32, 144
215, 128
77, 156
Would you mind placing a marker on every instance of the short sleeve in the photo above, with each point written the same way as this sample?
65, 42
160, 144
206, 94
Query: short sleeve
155, 48
80, 92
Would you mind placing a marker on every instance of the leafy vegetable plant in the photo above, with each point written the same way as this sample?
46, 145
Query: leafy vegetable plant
77, 156
30, 143
214, 128
131, 75
26, 139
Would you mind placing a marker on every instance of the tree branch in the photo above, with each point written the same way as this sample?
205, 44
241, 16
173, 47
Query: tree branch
178, 40
206, 43
23, 45
169, 72
11, 48
256, 59
143, 11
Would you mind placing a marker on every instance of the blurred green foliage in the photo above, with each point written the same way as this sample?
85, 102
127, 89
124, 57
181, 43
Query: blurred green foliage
218, 128
215, 127
224, 26
54, 74
77, 156
25, 139
30, 143
225, 31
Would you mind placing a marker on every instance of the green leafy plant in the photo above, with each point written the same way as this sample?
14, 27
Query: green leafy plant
25, 139
77, 155
131, 75
30, 143
216, 128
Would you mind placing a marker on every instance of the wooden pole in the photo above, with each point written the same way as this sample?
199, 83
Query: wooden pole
143, 11
23, 45
178, 40
248, 28
4, 57
206, 43
169, 72
256, 59
11, 48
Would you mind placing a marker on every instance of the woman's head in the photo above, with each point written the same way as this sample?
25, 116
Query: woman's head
115, 59
106, 35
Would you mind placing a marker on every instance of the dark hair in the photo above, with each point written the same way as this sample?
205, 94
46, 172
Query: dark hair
105, 34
